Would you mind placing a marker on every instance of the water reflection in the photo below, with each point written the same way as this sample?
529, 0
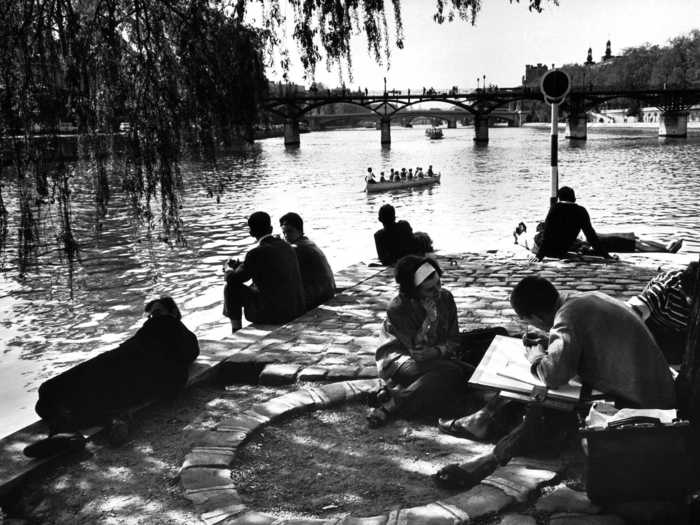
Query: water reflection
60, 314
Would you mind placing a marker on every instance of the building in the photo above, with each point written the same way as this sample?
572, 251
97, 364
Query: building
533, 74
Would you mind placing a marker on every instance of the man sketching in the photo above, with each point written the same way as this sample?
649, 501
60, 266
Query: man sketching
590, 335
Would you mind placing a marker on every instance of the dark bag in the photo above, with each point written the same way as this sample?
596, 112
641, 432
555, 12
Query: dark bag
474, 343
636, 459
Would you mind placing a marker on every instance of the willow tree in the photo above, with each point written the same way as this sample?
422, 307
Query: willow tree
179, 72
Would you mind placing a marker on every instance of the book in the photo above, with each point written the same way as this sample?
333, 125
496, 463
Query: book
505, 367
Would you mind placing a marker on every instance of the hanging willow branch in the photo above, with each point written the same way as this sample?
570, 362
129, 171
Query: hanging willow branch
179, 72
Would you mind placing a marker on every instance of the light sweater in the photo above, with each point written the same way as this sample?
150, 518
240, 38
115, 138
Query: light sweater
600, 339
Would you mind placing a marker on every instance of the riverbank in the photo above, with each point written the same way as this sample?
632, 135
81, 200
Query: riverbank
610, 125
57, 314
167, 474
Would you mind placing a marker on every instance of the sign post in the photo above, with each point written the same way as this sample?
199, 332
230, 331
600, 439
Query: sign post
555, 85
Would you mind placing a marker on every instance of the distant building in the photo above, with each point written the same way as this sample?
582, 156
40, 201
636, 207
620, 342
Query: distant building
533, 74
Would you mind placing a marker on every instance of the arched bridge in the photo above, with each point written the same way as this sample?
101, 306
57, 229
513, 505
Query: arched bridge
451, 117
481, 104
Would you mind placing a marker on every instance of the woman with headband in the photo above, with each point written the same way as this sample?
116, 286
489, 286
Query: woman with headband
418, 361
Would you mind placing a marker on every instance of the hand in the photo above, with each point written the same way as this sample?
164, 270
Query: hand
231, 265
425, 353
533, 258
532, 353
534, 339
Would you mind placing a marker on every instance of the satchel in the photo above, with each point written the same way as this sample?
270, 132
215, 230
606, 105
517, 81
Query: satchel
637, 458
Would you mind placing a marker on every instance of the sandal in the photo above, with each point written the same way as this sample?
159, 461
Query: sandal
465, 476
482, 423
377, 417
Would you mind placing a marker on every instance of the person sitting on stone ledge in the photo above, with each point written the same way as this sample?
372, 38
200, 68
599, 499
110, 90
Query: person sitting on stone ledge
397, 239
624, 242
420, 359
316, 274
592, 335
664, 305
151, 364
561, 227
276, 295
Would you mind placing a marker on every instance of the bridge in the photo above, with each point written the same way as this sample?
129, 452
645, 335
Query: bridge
481, 105
319, 121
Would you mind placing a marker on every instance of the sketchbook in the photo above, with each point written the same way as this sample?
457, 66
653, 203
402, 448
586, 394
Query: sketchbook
505, 367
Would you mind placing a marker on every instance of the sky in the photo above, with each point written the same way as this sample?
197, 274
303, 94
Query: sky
505, 38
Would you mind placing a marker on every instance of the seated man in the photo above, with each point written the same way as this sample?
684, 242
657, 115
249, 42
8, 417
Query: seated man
397, 239
370, 177
276, 295
664, 305
624, 242
316, 274
591, 335
561, 227
153, 363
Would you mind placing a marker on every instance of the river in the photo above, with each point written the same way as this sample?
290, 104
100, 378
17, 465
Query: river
60, 314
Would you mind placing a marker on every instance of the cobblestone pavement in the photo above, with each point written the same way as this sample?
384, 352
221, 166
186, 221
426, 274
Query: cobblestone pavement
335, 344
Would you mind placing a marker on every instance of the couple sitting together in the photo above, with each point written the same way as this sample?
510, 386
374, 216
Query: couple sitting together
426, 362
288, 276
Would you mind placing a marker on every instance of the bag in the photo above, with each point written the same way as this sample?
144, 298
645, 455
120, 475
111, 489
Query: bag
638, 458
474, 343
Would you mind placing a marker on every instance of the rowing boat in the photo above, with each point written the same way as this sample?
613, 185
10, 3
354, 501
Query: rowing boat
408, 183
434, 133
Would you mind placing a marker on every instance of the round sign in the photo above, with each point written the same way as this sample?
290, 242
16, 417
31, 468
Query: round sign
555, 85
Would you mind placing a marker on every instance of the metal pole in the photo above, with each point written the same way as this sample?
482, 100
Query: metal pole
555, 154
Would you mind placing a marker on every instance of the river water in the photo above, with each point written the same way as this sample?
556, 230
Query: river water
60, 314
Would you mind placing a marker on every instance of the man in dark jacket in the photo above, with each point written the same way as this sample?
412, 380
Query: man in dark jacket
153, 363
397, 239
276, 294
316, 274
564, 222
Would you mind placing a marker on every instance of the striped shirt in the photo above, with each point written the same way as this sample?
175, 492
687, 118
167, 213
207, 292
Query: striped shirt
666, 301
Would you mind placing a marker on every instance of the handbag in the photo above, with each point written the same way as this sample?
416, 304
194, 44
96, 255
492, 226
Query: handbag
637, 458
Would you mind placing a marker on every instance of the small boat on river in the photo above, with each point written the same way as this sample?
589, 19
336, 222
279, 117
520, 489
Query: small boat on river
408, 183
433, 133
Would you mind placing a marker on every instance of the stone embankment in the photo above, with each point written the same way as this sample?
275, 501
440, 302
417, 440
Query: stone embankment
333, 347
336, 342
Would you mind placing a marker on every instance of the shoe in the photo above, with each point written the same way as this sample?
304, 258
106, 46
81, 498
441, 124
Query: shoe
64, 442
466, 475
477, 427
674, 246
236, 325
